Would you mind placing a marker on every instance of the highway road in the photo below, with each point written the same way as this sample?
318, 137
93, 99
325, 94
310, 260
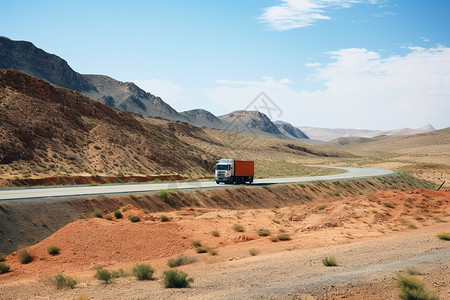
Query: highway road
58, 192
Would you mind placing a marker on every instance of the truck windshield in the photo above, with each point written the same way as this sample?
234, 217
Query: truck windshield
221, 167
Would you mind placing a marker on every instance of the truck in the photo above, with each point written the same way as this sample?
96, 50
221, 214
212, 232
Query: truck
234, 171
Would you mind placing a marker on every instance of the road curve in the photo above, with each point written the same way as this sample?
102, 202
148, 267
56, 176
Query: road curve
111, 189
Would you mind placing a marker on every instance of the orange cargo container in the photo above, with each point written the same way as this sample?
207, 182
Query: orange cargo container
244, 168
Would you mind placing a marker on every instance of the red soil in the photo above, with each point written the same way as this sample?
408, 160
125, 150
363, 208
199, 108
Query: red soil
91, 243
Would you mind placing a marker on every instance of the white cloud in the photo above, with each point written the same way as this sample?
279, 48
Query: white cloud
361, 90
313, 65
169, 91
290, 14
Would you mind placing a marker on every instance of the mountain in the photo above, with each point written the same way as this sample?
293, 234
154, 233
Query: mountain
203, 118
128, 97
290, 130
25, 57
50, 129
125, 96
253, 122
328, 134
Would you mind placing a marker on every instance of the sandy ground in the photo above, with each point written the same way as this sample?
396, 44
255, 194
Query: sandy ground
372, 237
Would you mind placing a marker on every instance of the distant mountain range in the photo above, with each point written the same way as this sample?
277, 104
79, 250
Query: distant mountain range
328, 134
128, 97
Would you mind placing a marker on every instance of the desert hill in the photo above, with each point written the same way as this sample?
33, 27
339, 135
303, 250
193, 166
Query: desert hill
44, 128
290, 130
398, 143
329, 134
203, 118
250, 122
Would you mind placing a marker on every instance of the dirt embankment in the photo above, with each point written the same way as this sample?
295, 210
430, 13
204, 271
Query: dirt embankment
68, 180
26, 223
384, 221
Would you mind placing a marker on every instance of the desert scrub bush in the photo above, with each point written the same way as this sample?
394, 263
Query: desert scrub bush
119, 273
273, 238
215, 233
109, 217
53, 250
329, 261
60, 281
25, 256
143, 272
4, 268
412, 288
132, 196
388, 204
411, 225
439, 220
104, 275
125, 208
253, 251
118, 214
321, 207
97, 213
211, 251
284, 237
263, 232
2, 257
201, 249
134, 219
444, 236
196, 244
238, 228
175, 279
176, 262
163, 218
301, 185
163, 194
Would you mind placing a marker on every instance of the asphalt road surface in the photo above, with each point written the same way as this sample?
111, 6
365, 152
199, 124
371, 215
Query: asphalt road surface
58, 192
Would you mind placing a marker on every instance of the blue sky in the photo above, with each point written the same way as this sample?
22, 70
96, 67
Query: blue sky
376, 64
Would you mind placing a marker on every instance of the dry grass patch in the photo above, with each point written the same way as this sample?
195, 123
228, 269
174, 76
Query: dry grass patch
60, 281
444, 236
238, 228
253, 251
412, 288
4, 268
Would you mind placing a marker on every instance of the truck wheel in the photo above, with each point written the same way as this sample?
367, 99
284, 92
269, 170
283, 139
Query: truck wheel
217, 182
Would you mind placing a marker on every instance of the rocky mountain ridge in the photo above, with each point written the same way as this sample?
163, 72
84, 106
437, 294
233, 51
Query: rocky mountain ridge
123, 96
